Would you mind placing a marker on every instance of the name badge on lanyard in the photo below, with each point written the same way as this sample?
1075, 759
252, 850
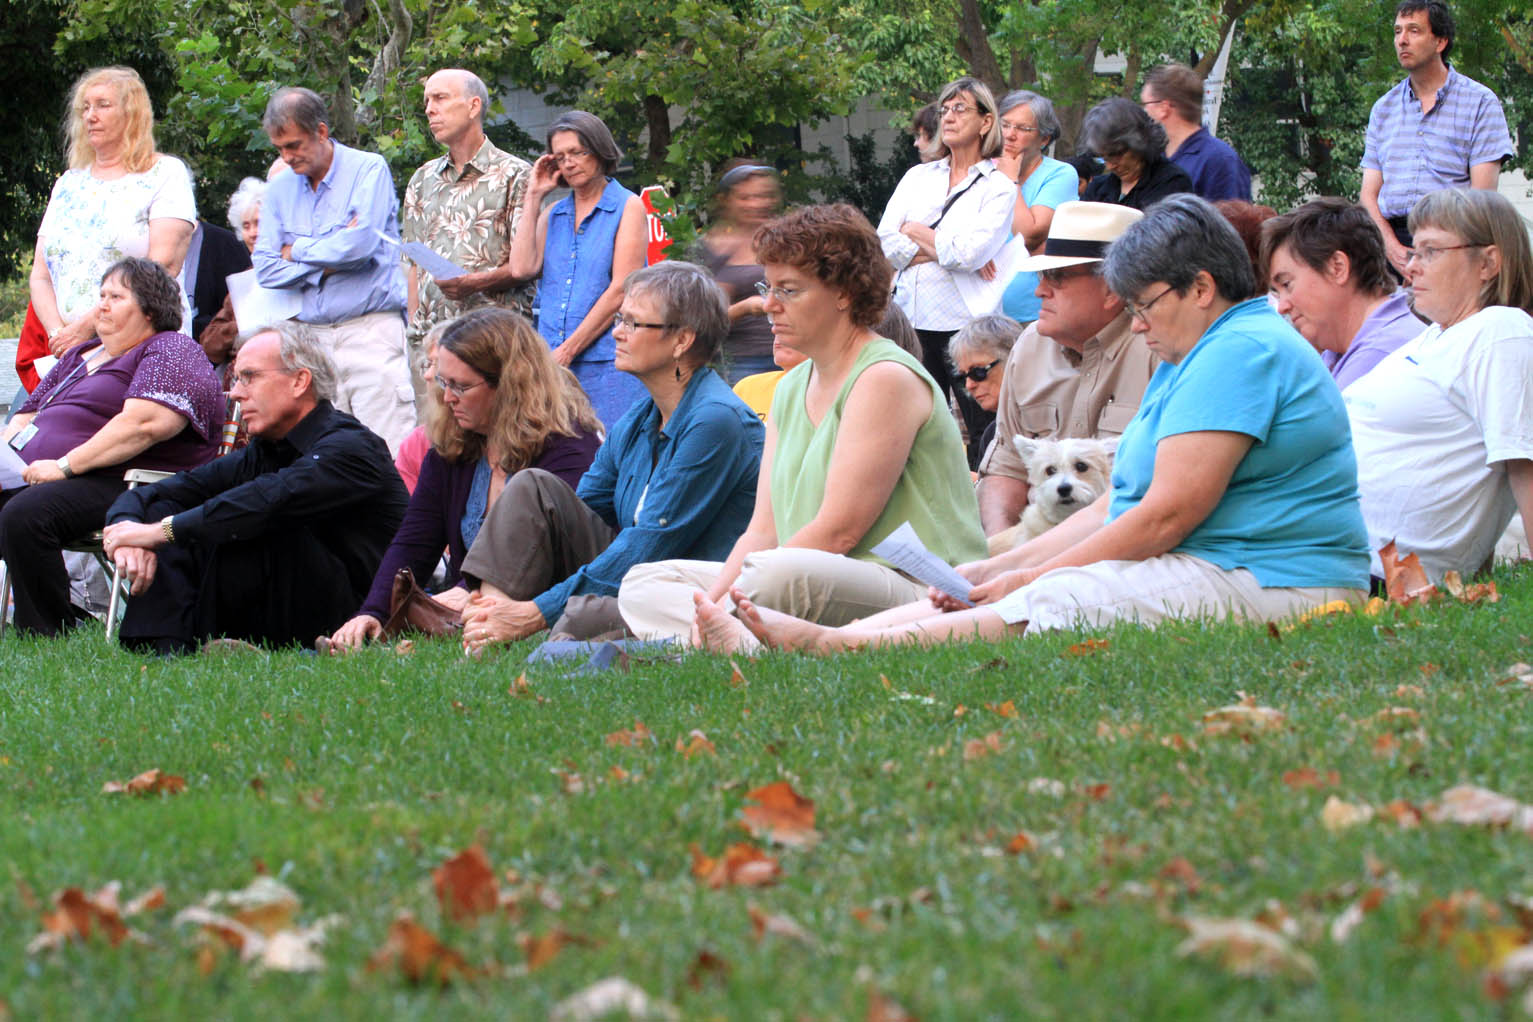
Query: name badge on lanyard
20, 439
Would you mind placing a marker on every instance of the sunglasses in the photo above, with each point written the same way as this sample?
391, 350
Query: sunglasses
978, 374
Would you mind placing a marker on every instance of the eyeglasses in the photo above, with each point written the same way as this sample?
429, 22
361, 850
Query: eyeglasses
1142, 312
1424, 254
570, 156
1056, 277
628, 324
1020, 129
457, 389
956, 109
245, 377
976, 373
782, 294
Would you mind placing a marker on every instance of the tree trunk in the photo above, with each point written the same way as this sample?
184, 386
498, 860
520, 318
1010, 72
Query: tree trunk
389, 57
1073, 113
974, 47
658, 117
326, 43
1232, 11
1131, 74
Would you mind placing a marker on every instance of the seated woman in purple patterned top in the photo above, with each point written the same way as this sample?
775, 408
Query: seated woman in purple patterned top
140, 396
499, 404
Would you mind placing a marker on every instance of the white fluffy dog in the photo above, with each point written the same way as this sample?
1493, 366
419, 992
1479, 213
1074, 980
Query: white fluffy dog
1063, 476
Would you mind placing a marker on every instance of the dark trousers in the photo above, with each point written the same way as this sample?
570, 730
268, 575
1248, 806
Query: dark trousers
36, 523
975, 419
276, 590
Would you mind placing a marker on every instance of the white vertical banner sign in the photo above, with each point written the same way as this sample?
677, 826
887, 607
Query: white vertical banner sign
1213, 85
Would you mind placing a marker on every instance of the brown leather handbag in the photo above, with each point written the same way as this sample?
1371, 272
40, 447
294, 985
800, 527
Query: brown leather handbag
412, 610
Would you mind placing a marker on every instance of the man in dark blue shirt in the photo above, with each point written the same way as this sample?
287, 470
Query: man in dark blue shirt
274, 544
1173, 96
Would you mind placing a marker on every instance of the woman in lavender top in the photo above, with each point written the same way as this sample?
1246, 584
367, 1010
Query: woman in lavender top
138, 396
500, 404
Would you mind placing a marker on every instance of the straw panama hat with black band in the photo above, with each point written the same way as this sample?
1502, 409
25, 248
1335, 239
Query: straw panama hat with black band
1080, 233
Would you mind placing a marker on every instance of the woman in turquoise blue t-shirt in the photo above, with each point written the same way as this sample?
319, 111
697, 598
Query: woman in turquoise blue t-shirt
1234, 493
1028, 126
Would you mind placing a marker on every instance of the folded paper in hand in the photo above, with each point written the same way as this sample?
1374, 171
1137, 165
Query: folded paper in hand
904, 549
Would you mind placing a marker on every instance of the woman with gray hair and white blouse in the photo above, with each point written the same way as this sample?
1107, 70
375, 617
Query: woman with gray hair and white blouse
1234, 490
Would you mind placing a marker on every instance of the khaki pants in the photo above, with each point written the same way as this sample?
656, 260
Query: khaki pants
1153, 590
656, 599
373, 374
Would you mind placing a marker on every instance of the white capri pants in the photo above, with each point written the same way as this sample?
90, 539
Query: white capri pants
1153, 590
372, 373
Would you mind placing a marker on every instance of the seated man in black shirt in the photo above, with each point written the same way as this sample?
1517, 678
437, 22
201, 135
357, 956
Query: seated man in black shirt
276, 543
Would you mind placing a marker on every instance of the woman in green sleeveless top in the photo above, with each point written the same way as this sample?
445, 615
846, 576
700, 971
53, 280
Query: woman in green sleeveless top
859, 441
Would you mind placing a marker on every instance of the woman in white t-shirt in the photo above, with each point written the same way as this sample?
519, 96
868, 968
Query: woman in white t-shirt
118, 198
1443, 426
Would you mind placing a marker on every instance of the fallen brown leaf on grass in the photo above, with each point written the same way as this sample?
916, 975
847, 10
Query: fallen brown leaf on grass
1309, 777
741, 865
977, 748
1478, 592
266, 905
1402, 717
1351, 916
285, 950
1339, 815
521, 688
782, 815
736, 679
542, 950
1244, 718
1512, 973
76, 914
1518, 674
1245, 948
637, 735
1404, 578
609, 997
150, 782
1006, 709
1184, 873
1087, 647
695, 744
465, 885
763, 923
404, 647
416, 952
707, 966
1475, 806
883, 1008
1021, 842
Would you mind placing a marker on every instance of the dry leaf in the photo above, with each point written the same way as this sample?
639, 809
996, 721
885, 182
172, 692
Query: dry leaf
1006, 709
1349, 918
707, 965
638, 734
1404, 577
1047, 786
542, 950
266, 905
1401, 716
1309, 777
150, 782
1183, 872
1087, 647
75, 914
976, 748
742, 865
695, 744
782, 815
1338, 815
465, 885
763, 923
611, 996
1476, 806
1409, 692
1244, 718
416, 952
404, 647
1402, 812
736, 679
1021, 842
1245, 948
883, 1008
1518, 674
287, 950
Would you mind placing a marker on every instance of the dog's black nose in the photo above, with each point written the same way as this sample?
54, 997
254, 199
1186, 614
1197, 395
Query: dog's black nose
1064, 489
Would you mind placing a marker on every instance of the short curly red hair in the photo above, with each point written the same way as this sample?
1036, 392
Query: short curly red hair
839, 248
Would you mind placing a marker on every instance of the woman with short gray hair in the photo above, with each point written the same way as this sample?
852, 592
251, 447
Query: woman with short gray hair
979, 352
1028, 127
245, 210
1234, 488
1133, 147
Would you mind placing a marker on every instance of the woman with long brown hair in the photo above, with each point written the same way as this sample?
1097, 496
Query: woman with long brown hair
500, 404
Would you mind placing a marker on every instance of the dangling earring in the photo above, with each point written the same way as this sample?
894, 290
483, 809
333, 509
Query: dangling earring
678, 370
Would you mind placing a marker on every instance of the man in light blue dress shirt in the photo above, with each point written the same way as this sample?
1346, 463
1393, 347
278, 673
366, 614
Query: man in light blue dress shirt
331, 230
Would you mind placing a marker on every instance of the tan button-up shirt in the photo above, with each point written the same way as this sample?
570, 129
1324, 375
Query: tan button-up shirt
469, 218
1054, 392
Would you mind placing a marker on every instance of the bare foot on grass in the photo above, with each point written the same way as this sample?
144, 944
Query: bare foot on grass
715, 630
784, 631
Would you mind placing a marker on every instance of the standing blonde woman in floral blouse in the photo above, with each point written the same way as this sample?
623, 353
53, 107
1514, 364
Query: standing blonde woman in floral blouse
119, 198
463, 205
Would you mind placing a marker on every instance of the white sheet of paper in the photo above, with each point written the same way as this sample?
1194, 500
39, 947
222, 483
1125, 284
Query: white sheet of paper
43, 363
904, 549
439, 266
257, 307
11, 467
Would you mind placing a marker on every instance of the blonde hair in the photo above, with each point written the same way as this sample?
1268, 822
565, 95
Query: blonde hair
1483, 218
138, 131
535, 397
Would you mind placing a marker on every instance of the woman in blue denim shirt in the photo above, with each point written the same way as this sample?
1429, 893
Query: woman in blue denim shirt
581, 248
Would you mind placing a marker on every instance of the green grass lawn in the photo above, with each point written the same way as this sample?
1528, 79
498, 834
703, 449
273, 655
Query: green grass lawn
375, 769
